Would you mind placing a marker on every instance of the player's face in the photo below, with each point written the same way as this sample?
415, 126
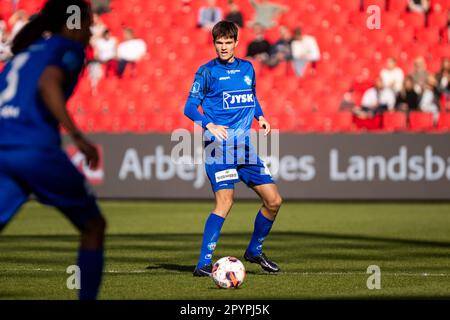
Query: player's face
225, 48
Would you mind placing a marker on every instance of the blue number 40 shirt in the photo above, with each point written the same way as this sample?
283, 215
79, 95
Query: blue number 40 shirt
24, 118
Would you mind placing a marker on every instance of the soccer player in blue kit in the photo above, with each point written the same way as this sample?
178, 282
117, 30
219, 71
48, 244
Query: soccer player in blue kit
225, 88
34, 87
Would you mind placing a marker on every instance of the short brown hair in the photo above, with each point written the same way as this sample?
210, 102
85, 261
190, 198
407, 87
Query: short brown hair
225, 29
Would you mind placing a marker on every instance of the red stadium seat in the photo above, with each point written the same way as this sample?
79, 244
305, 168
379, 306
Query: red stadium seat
348, 5
380, 3
375, 36
389, 20
342, 122
398, 5
438, 52
316, 122
431, 35
414, 50
420, 121
359, 20
399, 36
437, 19
336, 19
394, 121
444, 122
370, 124
412, 20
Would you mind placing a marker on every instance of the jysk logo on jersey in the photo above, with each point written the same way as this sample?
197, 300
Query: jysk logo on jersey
238, 99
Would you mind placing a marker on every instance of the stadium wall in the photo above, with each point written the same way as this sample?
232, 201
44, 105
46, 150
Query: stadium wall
309, 167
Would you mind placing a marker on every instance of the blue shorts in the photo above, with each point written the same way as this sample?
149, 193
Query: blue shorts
51, 177
224, 176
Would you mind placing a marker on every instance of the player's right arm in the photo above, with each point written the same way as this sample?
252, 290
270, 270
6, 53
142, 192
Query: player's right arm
51, 88
198, 92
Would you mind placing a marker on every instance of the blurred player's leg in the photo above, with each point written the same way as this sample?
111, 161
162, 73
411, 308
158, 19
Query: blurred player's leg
58, 183
213, 226
12, 196
263, 224
90, 257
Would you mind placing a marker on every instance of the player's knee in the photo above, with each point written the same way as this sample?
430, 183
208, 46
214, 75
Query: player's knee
224, 206
227, 204
274, 203
95, 227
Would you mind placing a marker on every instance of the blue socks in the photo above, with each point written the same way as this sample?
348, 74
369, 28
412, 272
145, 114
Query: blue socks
262, 229
90, 263
211, 234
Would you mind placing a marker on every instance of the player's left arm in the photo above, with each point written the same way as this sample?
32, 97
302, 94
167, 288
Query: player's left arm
259, 114
51, 86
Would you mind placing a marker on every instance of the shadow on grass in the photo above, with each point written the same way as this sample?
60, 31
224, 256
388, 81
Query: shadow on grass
5, 295
302, 248
195, 238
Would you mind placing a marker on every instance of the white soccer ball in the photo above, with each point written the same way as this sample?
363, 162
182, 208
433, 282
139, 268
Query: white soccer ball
228, 272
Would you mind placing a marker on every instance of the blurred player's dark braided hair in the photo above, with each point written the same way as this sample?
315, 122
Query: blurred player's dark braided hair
225, 29
52, 18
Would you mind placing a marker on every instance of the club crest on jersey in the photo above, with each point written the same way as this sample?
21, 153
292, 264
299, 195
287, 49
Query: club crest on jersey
195, 87
238, 99
248, 80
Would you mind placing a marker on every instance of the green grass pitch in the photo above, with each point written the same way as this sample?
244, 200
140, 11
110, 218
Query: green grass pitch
324, 250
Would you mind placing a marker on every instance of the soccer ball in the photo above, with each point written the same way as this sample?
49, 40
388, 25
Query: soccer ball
228, 272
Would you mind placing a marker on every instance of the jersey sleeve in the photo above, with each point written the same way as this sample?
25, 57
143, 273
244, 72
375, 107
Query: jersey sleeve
258, 109
199, 89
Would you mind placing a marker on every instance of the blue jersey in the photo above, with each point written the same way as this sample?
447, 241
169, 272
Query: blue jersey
24, 118
226, 92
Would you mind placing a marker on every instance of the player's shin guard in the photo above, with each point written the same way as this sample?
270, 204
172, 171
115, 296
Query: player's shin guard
262, 229
90, 263
211, 234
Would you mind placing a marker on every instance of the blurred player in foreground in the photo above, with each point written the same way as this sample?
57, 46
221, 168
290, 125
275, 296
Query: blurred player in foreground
34, 88
225, 88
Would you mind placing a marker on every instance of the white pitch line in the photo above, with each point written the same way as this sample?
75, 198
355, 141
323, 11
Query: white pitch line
397, 274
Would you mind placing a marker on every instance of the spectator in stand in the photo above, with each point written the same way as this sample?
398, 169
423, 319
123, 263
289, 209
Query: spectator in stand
392, 76
209, 15
17, 21
419, 74
266, 12
377, 100
94, 67
235, 15
4, 37
360, 84
304, 49
2, 26
407, 99
130, 51
5, 47
281, 50
14, 5
421, 6
259, 48
443, 78
448, 26
97, 28
105, 52
429, 101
